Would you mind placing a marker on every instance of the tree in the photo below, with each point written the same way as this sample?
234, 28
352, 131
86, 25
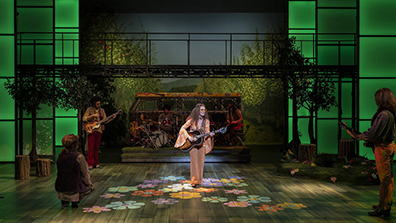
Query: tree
31, 92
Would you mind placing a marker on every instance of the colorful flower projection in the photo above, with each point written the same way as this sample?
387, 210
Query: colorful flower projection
179, 187
238, 204
96, 209
215, 199
253, 199
173, 178
124, 205
235, 191
147, 193
165, 201
117, 195
274, 208
292, 205
185, 195
178, 191
122, 189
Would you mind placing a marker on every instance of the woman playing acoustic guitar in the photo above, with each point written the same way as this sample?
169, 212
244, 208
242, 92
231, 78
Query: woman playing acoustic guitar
197, 120
382, 133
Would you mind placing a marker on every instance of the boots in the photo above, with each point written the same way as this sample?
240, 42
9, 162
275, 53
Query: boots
379, 213
64, 204
75, 204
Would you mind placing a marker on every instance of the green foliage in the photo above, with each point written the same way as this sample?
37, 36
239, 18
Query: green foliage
78, 91
31, 92
126, 88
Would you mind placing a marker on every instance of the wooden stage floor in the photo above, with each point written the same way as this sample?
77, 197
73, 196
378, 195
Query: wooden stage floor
232, 192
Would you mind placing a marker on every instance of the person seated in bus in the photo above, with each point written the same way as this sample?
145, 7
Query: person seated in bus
166, 121
234, 121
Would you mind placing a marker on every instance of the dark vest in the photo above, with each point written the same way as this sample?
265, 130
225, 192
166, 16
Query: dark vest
69, 173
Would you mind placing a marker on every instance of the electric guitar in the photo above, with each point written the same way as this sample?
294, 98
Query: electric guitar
343, 125
188, 145
90, 127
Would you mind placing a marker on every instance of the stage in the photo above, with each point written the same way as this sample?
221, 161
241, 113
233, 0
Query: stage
154, 192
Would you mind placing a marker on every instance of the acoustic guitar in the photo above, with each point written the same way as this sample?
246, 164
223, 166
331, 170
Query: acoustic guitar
188, 145
343, 125
90, 127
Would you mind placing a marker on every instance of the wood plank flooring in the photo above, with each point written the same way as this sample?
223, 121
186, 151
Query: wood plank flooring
34, 200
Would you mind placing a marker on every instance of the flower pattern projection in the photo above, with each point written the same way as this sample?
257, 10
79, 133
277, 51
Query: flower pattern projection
238, 204
291, 205
116, 195
96, 209
206, 190
147, 185
239, 185
212, 184
124, 205
215, 199
185, 195
173, 178
253, 199
122, 189
147, 193
165, 201
235, 191
210, 180
179, 187
155, 181
274, 208
236, 177
168, 190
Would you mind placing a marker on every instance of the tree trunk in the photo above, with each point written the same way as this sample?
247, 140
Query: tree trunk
81, 132
295, 118
33, 153
311, 128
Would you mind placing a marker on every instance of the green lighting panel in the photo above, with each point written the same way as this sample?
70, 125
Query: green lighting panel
302, 14
7, 142
327, 136
28, 21
7, 17
305, 43
377, 57
64, 126
7, 68
66, 13
336, 3
34, 3
368, 87
7, 108
329, 20
377, 17
328, 55
44, 54
348, 55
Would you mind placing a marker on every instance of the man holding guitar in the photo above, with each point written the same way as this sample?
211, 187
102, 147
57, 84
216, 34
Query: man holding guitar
95, 114
197, 120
